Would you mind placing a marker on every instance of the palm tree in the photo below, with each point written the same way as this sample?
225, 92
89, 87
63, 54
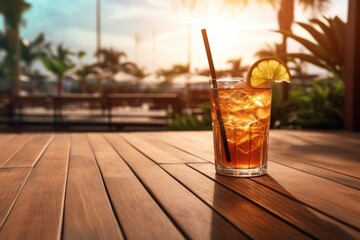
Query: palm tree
12, 12
176, 69
58, 63
327, 51
110, 59
237, 69
83, 71
285, 13
32, 50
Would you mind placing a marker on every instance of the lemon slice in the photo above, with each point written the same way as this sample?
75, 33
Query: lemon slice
267, 70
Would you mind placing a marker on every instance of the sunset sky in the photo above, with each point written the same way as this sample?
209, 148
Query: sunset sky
162, 27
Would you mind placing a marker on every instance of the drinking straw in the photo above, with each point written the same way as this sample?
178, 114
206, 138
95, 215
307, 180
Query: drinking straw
216, 95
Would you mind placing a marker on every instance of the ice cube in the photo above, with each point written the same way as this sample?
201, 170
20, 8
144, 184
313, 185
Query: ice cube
263, 113
240, 84
245, 119
225, 84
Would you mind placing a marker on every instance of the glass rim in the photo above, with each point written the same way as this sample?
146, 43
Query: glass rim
228, 79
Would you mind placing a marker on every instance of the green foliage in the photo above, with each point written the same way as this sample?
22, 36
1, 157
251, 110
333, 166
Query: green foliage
111, 60
59, 62
32, 50
56, 66
191, 122
318, 107
328, 49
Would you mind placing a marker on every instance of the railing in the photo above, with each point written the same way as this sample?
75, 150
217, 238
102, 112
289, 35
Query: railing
14, 107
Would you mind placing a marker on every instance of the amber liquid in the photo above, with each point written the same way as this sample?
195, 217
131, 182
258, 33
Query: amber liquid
246, 116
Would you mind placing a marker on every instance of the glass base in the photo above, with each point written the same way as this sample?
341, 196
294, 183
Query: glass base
253, 172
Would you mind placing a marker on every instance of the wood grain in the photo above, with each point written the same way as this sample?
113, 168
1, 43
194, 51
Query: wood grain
184, 141
134, 206
12, 146
37, 213
31, 152
323, 149
313, 222
88, 213
315, 170
11, 182
335, 200
279, 151
159, 151
192, 216
4, 137
244, 214
162, 185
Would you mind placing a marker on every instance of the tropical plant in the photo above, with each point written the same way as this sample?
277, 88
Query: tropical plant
174, 70
58, 63
285, 12
268, 50
190, 122
32, 50
328, 50
111, 60
82, 72
318, 107
237, 68
12, 12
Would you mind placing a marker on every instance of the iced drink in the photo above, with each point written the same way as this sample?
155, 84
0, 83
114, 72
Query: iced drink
245, 112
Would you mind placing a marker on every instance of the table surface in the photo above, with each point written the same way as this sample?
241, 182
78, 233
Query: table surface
162, 185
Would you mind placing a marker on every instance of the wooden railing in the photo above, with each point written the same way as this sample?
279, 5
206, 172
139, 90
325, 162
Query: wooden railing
13, 107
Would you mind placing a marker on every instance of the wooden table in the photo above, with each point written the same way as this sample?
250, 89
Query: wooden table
162, 185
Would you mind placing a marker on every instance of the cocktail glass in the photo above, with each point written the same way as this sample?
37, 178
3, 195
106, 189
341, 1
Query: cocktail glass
245, 113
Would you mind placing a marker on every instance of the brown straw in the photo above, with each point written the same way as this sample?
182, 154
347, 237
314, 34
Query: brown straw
216, 95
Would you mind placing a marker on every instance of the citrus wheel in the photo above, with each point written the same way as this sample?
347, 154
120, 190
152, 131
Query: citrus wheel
267, 70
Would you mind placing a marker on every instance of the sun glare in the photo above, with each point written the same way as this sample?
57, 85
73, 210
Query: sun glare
230, 34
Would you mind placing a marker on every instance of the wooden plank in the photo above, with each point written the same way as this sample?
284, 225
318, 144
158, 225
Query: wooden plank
134, 206
31, 152
11, 183
37, 213
5, 137
195, 219
313, 222
315, 170
184, 141
12, 146
333, 199
322, 149
203, 149
88, 212
159, 151
244, 214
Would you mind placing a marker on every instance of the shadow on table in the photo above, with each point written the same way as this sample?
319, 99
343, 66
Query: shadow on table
288, 210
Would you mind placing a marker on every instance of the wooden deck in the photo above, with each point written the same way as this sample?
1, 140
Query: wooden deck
162, 185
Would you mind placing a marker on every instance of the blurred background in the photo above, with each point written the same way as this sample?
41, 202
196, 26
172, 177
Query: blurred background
68, 64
